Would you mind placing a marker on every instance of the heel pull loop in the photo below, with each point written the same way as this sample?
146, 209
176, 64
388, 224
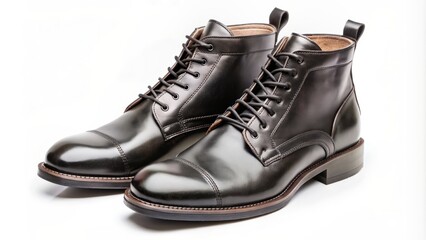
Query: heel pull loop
353, 30
278, 19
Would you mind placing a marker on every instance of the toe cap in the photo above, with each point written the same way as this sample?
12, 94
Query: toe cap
176, 182
86, 154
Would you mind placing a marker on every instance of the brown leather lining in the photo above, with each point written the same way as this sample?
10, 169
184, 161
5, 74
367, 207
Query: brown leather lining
251, 29
331, 43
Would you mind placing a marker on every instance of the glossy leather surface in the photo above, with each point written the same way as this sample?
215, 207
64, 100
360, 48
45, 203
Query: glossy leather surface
347, 123
146, 132
229, 167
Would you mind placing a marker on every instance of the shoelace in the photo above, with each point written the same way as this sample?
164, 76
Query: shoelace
257, 101
183, 68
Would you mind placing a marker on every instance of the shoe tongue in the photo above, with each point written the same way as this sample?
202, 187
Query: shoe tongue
298, 42
217, 29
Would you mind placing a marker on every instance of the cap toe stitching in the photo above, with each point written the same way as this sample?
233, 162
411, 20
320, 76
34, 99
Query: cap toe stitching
206, 177
117, 145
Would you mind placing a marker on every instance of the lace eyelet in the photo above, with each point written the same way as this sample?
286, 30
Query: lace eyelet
263, 126
294, 74
272, 114
210, 47
254, 135
288, 87
197, 74
186, 87
204, 61
165, 108
279, 101
175, 97
300, 60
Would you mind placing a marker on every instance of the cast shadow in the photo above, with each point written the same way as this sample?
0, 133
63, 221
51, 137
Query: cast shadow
70, 193
154, 224
87, 193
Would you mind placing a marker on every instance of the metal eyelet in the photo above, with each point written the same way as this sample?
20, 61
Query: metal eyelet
288, 87
300, 60
165, 108
186, 87
263, 127
255, 135
210, 47
197, 74
294, 74
175, 97
204, 61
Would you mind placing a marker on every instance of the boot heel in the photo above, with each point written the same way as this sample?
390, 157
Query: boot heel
345, 165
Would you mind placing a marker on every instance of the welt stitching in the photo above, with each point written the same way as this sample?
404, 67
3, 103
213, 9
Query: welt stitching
117, 145
85, 177
206, 177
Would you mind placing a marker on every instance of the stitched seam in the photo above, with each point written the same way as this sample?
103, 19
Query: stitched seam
242, 37
304, 135
340, 109
245, 53
206, 177
299, 175
180, 113
117, 145
85, 177
298, 147
298, 91
187, 130
194, 118
161, 94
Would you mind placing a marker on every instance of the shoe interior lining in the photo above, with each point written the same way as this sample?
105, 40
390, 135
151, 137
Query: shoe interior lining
331, 43
251, 29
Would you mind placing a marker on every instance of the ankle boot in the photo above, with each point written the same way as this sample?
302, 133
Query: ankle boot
215, 66
299, 120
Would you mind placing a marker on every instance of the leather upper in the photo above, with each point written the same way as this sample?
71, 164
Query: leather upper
147, 132
317, 117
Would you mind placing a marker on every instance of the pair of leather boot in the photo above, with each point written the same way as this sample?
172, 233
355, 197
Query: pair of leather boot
209, 143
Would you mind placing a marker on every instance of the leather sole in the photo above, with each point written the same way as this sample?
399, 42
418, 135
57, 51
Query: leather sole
330, 170
79, 181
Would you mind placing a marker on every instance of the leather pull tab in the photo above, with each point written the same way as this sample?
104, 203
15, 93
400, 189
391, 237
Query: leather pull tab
278, 18
353, 29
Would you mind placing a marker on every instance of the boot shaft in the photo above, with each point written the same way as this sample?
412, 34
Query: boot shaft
225, 64
313, 98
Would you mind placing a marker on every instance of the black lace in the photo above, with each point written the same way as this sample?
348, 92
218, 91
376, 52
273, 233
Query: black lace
182, 66
255, 102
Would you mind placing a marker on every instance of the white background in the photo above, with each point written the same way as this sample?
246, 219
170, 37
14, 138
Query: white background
70, 66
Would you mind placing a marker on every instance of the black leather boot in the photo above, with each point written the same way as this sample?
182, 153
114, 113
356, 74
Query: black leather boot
215, 66
299, 120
